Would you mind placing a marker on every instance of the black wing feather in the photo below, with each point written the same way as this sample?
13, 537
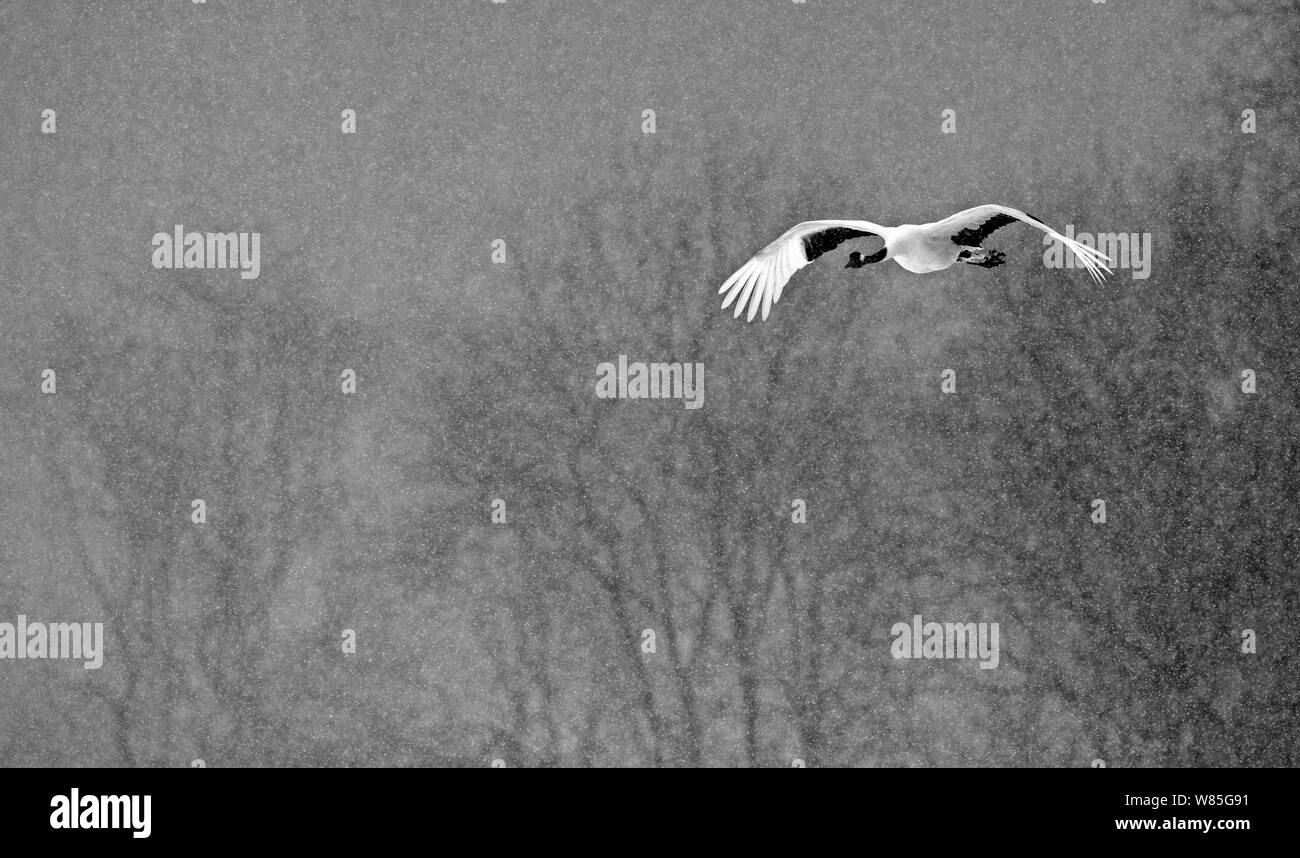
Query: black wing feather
817, 243
973, 237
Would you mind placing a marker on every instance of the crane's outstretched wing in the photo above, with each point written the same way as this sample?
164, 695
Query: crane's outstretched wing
972, 226
759, 281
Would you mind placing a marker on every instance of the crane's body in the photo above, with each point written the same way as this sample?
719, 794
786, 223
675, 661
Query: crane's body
919, 251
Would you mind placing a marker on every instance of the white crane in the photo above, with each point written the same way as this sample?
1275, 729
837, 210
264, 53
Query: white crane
921, 249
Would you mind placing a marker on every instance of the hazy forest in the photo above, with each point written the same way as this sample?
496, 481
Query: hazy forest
522, 641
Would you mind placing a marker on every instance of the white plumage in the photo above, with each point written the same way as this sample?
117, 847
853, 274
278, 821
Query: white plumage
920, 249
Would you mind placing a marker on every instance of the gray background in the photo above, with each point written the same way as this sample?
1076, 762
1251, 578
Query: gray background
521, 121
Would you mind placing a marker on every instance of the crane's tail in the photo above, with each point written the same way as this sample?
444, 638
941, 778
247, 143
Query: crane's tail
1093, 260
